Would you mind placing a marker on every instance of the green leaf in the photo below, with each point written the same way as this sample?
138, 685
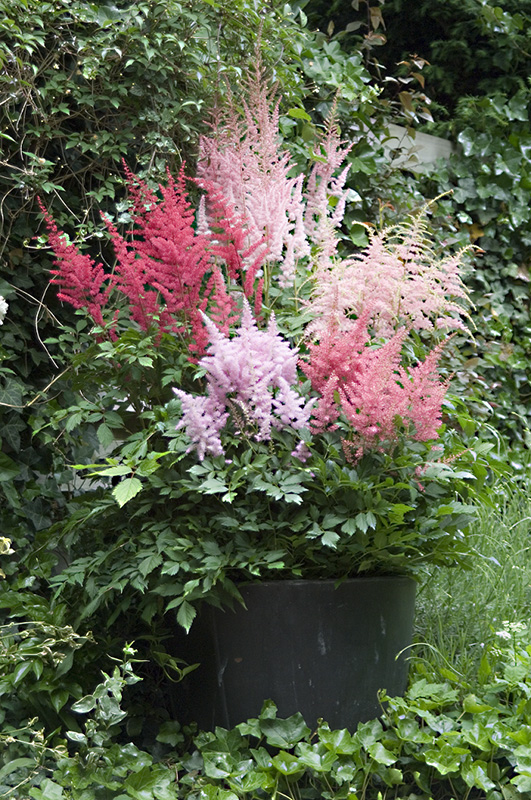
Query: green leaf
330, 539
150, 563
48, 790
105, 435
126, 490
11, 393
77, 737
299, 113
284, 732
287, 763
20, 672
381, 754
112, 472
186, 615
59, 698
16, 763
8, 468
84, 705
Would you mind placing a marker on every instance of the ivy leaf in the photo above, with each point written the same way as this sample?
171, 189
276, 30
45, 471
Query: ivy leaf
11, 393
126, 490
285, 732
8, 468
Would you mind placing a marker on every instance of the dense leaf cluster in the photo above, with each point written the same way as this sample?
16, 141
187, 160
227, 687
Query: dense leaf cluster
441, 740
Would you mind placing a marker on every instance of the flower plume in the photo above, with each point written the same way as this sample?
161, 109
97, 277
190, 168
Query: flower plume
251, 378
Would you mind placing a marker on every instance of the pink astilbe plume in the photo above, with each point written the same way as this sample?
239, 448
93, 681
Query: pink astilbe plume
399, 277
243, 160
320, 221
250, 377
229, 243
370, 389
82, 283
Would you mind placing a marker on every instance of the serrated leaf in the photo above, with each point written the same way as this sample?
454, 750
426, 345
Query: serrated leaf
186, 615
112, 472
330, 538
126, 490
148, 564
105, 435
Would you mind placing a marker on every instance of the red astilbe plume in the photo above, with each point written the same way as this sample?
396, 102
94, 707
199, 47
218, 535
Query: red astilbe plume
166, 270
82, 283
169, 259
400, 277
369, 389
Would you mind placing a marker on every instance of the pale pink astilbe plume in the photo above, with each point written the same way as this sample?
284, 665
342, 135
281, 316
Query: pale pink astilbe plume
203, 420
320, 220
399, 277
244, 161
250, 376
82, 283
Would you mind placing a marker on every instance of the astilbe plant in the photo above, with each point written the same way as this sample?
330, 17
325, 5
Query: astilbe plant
295, 439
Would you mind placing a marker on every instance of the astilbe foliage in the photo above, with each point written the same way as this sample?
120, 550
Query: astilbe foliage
399, 277
250, 379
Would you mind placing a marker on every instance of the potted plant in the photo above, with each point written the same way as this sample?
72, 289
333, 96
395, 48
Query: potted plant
274, 419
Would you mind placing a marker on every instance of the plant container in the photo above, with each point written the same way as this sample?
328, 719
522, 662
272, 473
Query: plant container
308, 645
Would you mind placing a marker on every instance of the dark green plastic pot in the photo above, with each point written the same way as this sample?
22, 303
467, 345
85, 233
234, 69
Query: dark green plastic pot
307, 646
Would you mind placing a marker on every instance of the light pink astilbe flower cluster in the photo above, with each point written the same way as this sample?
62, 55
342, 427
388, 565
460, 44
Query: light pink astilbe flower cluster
249, 378
371, 389
245, 162
319, 222
399, 277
